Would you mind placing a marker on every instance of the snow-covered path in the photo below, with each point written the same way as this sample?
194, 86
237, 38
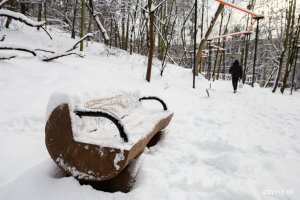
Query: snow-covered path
229, 146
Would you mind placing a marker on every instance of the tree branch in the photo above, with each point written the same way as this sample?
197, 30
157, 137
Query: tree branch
88, 35
46, 32
45, 50
68, 52
59, 55
5, 46
15, 47
7, 56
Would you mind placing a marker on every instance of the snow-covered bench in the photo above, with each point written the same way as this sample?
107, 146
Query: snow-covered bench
95, 135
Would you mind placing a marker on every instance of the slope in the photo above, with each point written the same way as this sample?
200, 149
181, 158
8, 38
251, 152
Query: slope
228, 146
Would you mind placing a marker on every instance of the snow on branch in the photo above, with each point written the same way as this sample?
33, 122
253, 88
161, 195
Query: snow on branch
17, 47
45, 50
68, 52
59, 55
8, 46
22, 18
7, 56
88, 35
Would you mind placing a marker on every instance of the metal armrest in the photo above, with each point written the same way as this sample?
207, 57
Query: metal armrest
155, 98
106, 115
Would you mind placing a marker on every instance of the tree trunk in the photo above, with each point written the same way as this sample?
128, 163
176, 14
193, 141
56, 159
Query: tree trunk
24, 8
218, 44
202, 19
123, 26
45, 12
215, 65
160, 47
116, 34
133, 28
40, 14
292, 51
90, 19
82, 23
74, 20
13, 5
286, 44
245, 68
247, 45
224, 58
127, 30
151, 41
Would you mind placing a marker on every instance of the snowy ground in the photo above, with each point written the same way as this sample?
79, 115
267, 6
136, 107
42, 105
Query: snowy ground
229, 146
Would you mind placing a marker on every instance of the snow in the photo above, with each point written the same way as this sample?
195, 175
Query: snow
73, 170
4, 56
15, 46
119, 157
228, 146
119, 102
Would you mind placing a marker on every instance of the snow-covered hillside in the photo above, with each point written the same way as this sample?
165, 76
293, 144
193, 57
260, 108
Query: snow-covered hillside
228, 146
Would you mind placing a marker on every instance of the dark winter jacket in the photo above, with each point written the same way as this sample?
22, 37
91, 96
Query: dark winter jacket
236, 70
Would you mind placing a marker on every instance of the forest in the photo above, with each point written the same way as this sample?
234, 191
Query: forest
165, 30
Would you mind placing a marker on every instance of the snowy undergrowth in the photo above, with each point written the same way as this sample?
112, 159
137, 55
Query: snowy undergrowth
229, 146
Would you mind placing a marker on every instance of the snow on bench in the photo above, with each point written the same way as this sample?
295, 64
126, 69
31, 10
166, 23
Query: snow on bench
94, 135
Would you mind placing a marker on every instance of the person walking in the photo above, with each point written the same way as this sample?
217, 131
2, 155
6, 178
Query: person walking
236, 72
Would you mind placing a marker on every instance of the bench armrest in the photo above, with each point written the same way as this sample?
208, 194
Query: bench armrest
107, 115
155, 98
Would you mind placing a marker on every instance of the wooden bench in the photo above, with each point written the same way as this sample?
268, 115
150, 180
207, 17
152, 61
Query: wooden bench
92, 154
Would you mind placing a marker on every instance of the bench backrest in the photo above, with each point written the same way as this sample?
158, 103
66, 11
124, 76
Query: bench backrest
120, 105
